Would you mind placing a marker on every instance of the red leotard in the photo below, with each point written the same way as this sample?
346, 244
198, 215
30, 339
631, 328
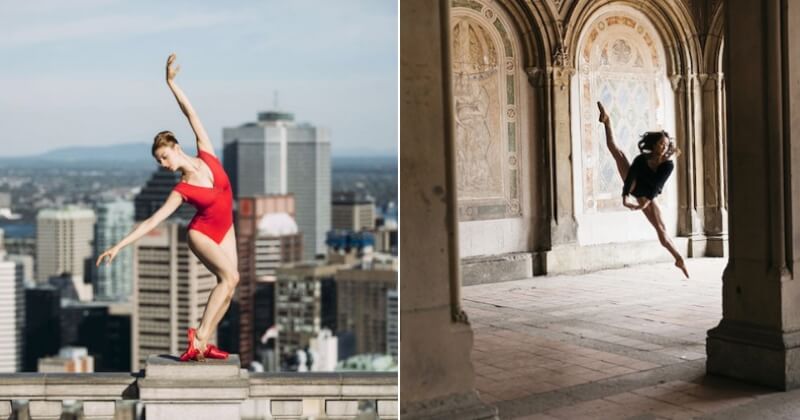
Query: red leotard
214, 205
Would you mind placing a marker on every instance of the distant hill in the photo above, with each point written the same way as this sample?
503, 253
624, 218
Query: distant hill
128, 151
135, 155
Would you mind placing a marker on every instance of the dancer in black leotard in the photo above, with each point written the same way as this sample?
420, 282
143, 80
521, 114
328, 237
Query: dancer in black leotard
645, 177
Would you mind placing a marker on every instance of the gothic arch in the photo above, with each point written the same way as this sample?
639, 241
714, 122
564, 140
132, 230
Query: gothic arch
620, 61
671, 20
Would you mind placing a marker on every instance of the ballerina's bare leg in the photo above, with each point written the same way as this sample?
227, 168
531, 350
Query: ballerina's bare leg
217, 260
653, 214
623, 165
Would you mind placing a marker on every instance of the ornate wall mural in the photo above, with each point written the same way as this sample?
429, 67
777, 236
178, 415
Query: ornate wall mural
621, 64
485, 102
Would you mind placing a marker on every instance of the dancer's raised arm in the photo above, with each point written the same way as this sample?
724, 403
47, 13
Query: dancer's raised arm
203, 142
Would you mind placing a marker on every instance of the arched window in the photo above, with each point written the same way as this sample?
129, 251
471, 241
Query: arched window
620, 62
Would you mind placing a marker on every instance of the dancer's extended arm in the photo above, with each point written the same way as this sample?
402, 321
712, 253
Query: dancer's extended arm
203, 142
172, 203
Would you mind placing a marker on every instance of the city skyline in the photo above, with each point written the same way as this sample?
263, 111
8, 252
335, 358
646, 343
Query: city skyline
92, 73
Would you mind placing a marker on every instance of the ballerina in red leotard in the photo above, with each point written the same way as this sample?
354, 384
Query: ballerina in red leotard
211, 237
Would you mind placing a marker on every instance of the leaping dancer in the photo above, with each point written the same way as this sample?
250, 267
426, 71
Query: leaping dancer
204, 184
645, 178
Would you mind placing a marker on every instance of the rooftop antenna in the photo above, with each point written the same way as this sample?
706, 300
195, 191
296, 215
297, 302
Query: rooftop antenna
275, 99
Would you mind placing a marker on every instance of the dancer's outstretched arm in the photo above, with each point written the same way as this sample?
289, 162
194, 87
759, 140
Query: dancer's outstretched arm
172, 203
203, 142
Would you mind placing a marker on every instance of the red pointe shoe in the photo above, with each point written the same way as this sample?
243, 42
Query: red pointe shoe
213, 352
191, 352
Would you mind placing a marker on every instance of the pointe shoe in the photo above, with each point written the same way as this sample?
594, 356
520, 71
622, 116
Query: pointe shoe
191, 353
213, 352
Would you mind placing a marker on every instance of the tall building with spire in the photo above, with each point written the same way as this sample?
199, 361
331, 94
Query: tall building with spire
275, 155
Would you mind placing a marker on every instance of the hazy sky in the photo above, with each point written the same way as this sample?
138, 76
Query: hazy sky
91, 72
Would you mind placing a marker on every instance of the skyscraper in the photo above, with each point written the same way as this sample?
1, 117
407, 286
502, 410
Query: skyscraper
12, 312
155, 192
277, 156
103, 328
305, 302
362, 306
354, 213
170, 291
267, 237
392, 322
114, 221
63, 241
42, 327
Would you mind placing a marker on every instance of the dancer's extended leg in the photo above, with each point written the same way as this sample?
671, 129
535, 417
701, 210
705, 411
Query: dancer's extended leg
619, 157
653, 213
214, 258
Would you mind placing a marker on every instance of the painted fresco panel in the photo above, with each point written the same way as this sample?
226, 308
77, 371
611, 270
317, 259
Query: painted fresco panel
485, 92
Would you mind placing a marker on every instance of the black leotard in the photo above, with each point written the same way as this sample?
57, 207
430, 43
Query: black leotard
648, 182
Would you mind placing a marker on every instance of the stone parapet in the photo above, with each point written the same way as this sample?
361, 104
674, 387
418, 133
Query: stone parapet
214, 389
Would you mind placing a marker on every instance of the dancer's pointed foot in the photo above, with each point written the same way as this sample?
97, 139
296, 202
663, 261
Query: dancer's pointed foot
213, 352
682, 265
603, 116
192, 352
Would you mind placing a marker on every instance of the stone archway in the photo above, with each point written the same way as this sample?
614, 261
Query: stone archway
621, 62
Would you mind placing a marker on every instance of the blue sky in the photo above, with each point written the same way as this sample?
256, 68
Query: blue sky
91, 72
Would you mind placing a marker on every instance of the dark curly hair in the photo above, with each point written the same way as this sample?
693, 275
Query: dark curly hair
649, 140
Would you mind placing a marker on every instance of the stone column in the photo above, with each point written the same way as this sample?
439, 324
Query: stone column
209, 390
689, 195
758, 339
540, 156
437, 378
715, 211
564, 227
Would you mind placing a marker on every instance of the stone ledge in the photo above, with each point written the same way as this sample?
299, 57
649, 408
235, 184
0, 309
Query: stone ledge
369, 385
496, 268
66, 386
198, 390
574, 258
170, 367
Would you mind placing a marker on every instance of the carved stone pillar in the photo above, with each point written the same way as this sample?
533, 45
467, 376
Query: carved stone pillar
715, 209
686, 91
437, 378
542, 196
564, 228
758, 338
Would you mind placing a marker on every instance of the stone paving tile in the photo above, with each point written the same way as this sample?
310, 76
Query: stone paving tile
547, 336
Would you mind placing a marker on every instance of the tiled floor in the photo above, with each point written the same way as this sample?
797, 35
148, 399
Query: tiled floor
625, 343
